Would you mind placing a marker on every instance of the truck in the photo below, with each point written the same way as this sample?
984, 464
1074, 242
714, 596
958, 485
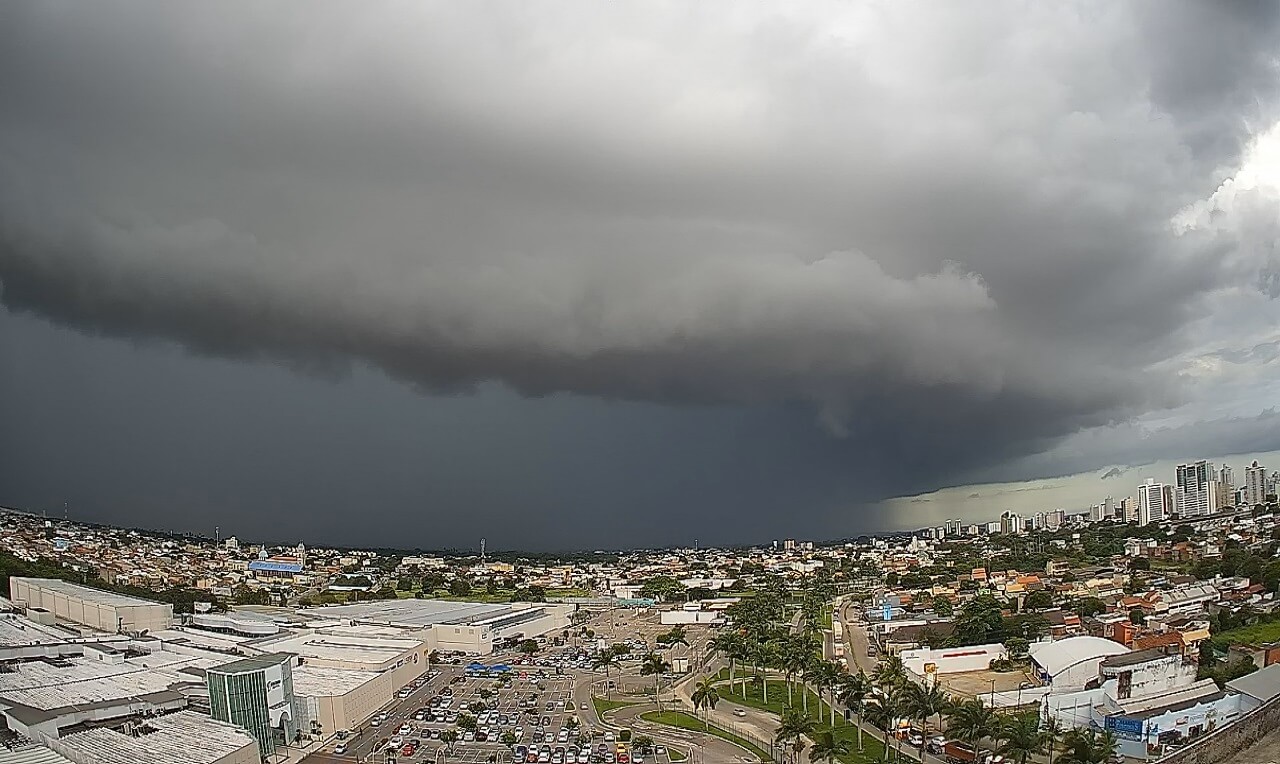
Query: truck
958, 753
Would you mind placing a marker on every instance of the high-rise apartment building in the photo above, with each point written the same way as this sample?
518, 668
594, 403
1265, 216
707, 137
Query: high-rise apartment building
1155, 502
1196, 489
1226, 496
1255, 484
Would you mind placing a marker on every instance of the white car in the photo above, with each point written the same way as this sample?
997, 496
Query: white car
396, 741
340, 748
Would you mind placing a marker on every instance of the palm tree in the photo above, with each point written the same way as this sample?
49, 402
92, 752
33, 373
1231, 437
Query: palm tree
1053, 736
1087, 747
890, 671
923, 701
705, 697
827, 747
606, 658
766, 655
971, 721
886, 709
853, 693
826, 678
1021, 737
655, 665
797, 653
731, 644
794, 724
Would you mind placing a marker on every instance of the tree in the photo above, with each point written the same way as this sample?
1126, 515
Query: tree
533, 593
1089, 606
797, 653
734, 647
1016, 646
460, 587
449, 737
1139, 563
1137, 616
1080, 746
981, 621
528, 646
466, 722
924, 701
942, 606
705, 697
1040, 599
827, 747
826, 678
607, 658
853, 694
654, 665
1021, 737
509, 738
972, 721
794, 724
890, 671
642, 743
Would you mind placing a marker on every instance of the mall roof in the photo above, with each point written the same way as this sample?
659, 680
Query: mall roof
413, 612
184, 737
33, 753
86, 593
1055, 657
256, 663
311, 681
46, 685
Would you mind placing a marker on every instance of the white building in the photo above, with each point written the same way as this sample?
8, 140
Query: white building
1069, 664
94, 608
1155, 502
1196, 489
1255, 484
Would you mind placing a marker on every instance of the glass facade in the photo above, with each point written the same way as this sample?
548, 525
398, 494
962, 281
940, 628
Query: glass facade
250, 693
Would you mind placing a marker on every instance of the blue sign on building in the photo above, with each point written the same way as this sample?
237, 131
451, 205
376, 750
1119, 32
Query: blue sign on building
888, 612
1125, 727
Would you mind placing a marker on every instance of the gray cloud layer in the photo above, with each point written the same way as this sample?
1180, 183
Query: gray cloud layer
944, 229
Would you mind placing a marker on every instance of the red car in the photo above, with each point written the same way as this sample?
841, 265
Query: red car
408, 750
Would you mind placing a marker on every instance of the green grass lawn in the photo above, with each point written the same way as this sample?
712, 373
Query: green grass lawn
1258, 633
676, 754
604, 704
873, 747
689, 722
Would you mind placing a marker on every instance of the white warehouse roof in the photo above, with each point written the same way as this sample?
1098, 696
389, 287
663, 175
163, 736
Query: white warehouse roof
1058, 656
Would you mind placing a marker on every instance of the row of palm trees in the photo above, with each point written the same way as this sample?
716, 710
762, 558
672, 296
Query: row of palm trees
883, 698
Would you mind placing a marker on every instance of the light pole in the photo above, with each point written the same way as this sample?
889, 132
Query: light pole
1022, 686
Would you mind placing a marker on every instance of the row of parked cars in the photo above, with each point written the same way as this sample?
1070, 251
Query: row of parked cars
603, 754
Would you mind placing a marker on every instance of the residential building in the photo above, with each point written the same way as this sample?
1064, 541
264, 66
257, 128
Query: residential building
1196, 489
1255, 484
1155, 502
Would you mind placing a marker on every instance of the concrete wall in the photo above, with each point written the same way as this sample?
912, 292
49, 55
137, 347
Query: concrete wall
672, 617
107, 618
1221, 744
952, 660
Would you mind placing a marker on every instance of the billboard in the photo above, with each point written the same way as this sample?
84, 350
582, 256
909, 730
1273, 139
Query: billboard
1124, 727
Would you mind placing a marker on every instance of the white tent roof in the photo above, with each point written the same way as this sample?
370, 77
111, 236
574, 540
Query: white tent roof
1056, 657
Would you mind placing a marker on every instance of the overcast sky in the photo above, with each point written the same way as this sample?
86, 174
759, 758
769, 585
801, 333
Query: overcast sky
574, 274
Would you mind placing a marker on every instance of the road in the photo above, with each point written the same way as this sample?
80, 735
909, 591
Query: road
702, 747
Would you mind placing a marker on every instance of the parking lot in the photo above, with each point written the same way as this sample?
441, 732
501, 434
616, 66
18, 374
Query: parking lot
526, 710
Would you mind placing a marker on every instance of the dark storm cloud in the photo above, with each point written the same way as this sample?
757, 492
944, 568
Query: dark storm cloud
942, 230
1114, 472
